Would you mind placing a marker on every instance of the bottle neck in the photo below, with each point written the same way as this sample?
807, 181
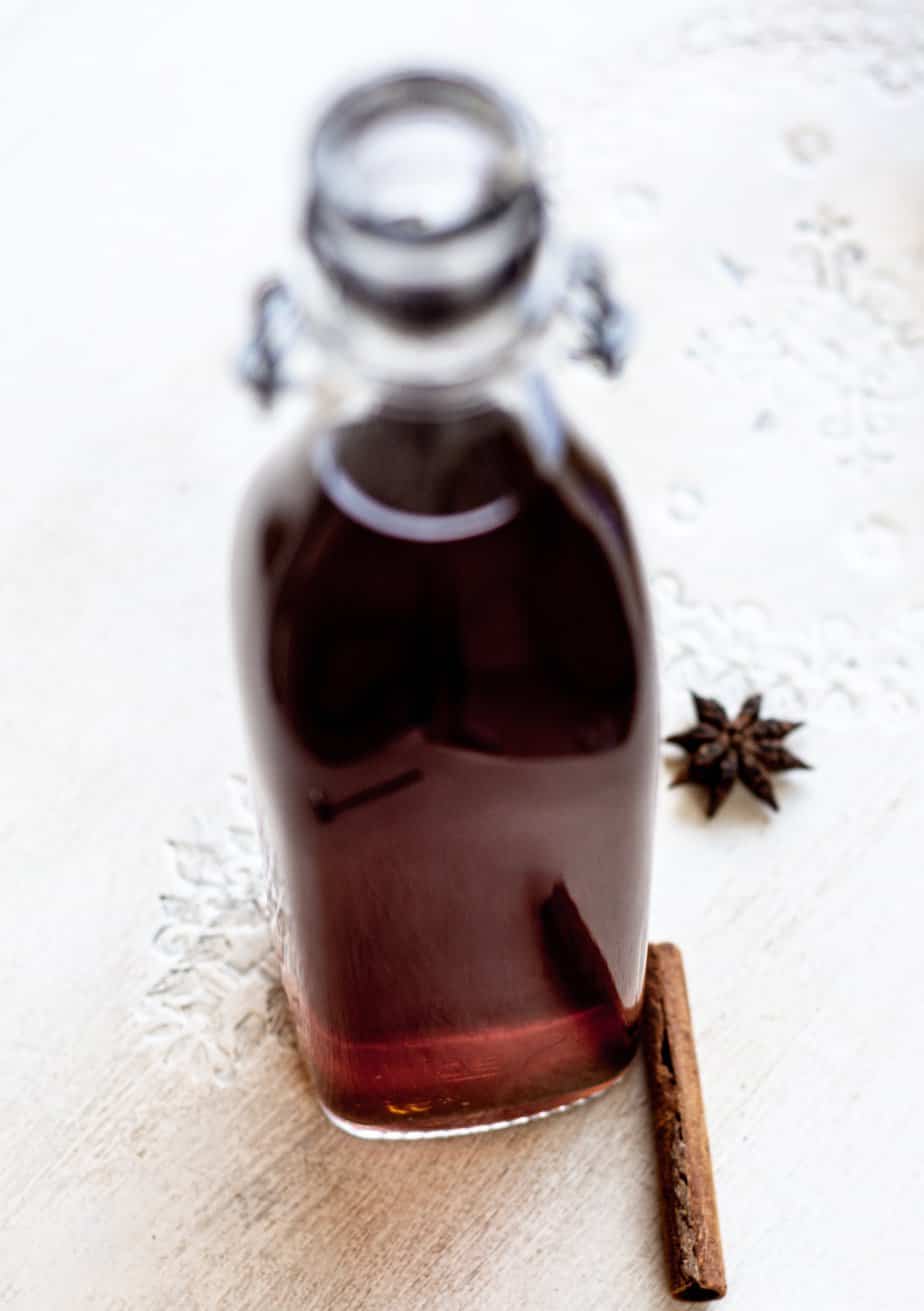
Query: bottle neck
449, 367
427, 268
430, 265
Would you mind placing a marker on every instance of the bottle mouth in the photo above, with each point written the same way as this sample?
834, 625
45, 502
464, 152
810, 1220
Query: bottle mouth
420, 156
424, 204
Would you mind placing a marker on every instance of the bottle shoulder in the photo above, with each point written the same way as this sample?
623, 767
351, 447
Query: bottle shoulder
361, 632
429, 468
389, 493
277, 503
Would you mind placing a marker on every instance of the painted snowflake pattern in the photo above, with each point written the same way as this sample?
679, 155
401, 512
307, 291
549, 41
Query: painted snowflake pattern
835, 316
219, 995
829, 671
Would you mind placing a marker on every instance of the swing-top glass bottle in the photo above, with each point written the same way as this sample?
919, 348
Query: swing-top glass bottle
443, 639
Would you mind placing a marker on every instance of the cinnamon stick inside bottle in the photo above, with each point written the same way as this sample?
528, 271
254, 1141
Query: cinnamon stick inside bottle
690, 1219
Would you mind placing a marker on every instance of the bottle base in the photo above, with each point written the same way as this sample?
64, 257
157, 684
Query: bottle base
380, 1132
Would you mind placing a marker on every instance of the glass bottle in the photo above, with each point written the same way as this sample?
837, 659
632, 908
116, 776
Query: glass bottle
443, 640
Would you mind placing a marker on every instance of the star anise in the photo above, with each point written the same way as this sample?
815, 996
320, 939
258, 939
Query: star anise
721, 750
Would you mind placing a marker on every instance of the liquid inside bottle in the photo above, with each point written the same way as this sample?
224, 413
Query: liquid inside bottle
446, 657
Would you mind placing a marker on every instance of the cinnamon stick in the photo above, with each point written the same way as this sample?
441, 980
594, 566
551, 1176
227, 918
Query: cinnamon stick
689, 1215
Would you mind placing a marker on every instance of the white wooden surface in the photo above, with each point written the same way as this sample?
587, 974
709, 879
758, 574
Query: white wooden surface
758, 173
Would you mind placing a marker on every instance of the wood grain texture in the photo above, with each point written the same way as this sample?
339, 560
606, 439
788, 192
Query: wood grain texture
755, 174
